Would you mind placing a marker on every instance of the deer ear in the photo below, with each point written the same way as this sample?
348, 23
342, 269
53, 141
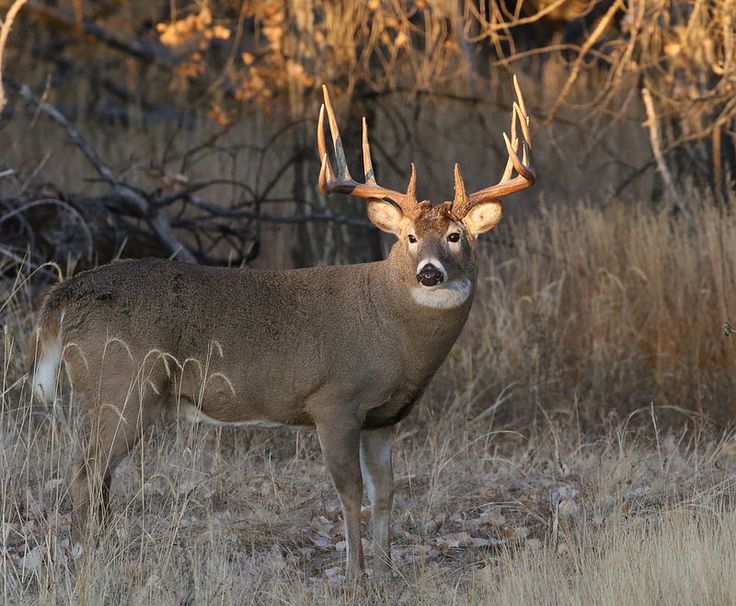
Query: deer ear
483, 217
385, 216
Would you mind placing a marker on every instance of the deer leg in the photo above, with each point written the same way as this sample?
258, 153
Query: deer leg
110, 439
341, 451
111, 436
122, 397
378, 474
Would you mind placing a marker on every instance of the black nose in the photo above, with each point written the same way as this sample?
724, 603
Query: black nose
429, 275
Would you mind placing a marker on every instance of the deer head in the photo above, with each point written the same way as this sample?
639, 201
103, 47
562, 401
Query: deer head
436, 246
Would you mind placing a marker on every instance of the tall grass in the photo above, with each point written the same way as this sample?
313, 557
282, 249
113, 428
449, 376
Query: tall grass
682, 557
594, 309
520, 478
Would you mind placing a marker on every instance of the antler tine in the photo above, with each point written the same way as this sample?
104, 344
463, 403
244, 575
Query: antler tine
518, 165
370, 176
325, 173
524, 168
342, 165
514, 143
342, 182
523, 116
460, 196
411, 189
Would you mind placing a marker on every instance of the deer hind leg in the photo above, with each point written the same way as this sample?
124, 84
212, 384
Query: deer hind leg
341, 451
119, 412
378, 474
109, 438
112, 434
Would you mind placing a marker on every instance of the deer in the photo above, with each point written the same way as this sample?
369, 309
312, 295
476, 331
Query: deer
347, 350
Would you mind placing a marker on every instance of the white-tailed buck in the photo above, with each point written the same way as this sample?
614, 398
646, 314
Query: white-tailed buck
348, 350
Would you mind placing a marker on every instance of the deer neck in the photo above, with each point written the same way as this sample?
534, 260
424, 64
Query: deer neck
423, 324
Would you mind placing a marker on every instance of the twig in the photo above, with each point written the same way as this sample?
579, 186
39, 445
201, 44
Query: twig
555, 522
75, 137
516, 21
11, 255
162, 225
633, 176
165, 200
654, 140
34, 173
52, 202
4, 33
579, 60
270, 218
717, 162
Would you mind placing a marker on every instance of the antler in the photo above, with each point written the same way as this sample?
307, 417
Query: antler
343, 183
507, 185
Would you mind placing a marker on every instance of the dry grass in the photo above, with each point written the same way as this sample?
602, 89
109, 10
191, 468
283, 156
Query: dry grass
516, 483
592, 312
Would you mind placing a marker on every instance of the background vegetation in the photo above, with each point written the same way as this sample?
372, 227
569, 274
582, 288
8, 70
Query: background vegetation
575, 447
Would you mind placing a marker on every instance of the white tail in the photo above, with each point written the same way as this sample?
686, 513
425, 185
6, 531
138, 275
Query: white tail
46, 372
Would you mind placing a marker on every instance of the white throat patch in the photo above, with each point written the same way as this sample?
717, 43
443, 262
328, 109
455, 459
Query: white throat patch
443, 296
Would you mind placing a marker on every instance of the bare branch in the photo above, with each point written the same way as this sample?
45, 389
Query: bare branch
145, 51
654, 139
4, 33
53, 202
271, 218
77, 139
160, 222
578, 64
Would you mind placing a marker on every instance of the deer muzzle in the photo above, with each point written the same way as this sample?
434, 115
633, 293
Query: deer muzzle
429, 275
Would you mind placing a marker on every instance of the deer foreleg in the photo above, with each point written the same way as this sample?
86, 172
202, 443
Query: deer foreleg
340, 444
378, 474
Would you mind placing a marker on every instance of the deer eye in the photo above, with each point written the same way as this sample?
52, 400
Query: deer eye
412, 238
454, 237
